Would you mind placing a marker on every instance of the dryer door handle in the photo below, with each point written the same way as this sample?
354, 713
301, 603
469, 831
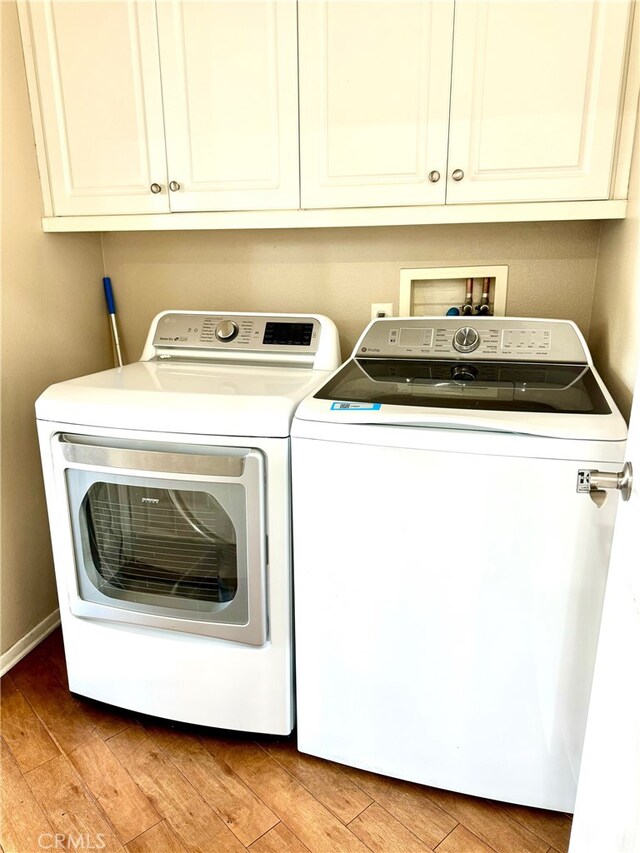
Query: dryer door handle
160, 461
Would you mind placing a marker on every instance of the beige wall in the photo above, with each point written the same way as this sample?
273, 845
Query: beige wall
339, 272
53, 327
615, 333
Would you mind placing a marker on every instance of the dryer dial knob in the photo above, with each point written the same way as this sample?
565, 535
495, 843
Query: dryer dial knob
466, 339
226, 330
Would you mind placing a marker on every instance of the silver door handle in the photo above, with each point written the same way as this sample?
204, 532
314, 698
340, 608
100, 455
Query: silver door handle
77, 451
594, 481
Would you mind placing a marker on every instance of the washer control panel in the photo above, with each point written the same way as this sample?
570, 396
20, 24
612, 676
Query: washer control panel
495, 338
238, 332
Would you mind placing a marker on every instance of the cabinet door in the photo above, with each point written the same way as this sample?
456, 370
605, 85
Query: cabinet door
374, 101
101, 106
535, 99
229, 76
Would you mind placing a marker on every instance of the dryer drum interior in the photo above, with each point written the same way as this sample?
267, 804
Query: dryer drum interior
166, 542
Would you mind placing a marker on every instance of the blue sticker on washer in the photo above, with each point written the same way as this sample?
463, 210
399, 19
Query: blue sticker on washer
355, 406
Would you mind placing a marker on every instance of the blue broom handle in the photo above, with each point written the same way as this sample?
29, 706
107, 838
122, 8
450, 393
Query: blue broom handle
108, 293
111, 308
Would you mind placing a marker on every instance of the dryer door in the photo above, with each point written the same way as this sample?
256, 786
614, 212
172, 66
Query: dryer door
169, 536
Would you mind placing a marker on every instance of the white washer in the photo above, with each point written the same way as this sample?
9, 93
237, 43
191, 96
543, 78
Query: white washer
449, 571
168, 489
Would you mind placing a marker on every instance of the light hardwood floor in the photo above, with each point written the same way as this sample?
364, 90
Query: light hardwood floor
74, 767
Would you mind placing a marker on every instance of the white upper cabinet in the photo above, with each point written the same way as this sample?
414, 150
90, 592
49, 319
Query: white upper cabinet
527, 108
229, 83
193, 108
535, 99
101, 105
374, 101
284, 113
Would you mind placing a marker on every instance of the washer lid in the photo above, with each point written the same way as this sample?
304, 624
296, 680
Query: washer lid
184, 397
555, 400
471, 385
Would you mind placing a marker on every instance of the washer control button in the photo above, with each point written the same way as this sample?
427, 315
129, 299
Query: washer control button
466, 339
226, 330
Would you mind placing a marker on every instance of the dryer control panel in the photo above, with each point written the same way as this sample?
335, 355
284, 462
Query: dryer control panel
237, 331
493, 338
288, 339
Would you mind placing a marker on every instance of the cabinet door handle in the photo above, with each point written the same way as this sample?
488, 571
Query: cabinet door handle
457, 175
155, 189
434, 176
174, 186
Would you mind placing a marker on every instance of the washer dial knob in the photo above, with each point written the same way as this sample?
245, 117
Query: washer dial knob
226, 330
466, 339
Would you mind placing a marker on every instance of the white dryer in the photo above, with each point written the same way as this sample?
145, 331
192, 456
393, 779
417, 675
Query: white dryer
168, 490
450, 558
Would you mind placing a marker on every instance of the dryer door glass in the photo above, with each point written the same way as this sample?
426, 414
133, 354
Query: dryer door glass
170, 547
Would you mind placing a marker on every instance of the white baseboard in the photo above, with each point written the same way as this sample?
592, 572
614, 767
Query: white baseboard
29, 641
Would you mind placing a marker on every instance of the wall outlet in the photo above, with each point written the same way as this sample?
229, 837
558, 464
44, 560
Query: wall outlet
381, 309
